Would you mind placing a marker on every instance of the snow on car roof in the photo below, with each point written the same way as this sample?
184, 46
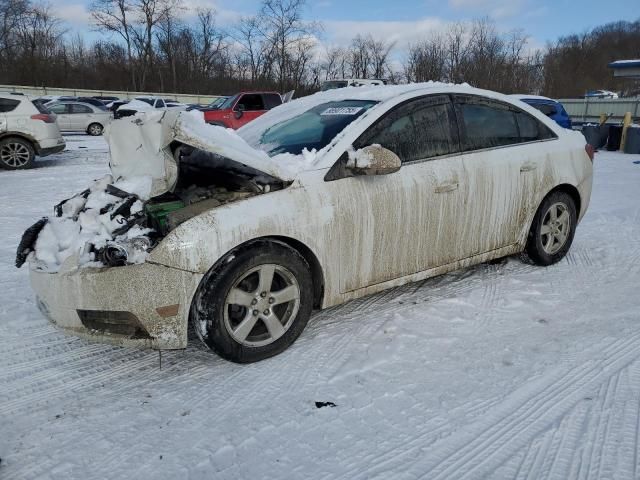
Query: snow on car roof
520, 96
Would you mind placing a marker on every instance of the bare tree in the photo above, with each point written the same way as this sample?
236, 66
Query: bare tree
114, 16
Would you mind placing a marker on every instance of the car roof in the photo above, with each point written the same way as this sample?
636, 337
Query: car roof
12, 95
382, 94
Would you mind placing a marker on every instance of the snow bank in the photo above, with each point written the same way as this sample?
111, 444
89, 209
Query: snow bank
90, 221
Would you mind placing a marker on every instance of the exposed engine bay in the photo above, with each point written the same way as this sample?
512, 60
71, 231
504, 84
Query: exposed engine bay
120, 226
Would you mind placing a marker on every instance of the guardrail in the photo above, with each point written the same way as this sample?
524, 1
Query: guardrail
590, 109
81, 92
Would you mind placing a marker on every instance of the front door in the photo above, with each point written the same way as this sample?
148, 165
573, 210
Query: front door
248, 107
409, 221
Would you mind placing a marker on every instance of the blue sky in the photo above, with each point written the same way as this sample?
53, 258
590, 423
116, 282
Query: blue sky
406, 21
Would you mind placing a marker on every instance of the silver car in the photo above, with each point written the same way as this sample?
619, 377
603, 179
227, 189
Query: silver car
80, 117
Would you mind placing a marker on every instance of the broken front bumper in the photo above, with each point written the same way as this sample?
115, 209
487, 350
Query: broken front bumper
144, 305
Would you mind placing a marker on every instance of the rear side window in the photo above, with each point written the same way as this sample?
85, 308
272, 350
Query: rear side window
8, 105
487, 126
78, 108
251, 102
160, 103
531, 129
271, 100
416, 130
59, 108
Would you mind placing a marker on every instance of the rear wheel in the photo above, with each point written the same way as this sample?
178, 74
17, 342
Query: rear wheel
95, 129
255, 303
16, 153
552, 230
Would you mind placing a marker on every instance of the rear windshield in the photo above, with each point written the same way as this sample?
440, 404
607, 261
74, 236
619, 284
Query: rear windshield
314, 128
40, 105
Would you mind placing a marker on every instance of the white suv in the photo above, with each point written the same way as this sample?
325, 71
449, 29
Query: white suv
26, 130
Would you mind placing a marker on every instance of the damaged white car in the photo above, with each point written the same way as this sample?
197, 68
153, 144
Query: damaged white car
328, 198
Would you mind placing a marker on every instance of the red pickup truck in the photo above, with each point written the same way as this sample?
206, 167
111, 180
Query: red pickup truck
241, 108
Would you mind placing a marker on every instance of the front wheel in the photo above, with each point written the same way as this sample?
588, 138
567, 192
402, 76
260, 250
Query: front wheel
552, 230
255, 303
95, 129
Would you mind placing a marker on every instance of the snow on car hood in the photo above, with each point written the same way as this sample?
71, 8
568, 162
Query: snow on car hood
139, 146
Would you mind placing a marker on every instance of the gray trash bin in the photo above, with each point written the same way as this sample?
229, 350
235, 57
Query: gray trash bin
596, 135
632, 144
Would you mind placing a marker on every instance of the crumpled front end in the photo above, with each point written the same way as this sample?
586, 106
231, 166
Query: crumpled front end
144, 305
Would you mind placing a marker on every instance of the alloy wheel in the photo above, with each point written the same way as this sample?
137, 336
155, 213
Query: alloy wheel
262, 305
15, 155
556, 227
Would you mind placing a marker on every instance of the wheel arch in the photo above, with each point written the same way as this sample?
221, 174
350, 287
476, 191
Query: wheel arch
317, 273
572, 191
22, 136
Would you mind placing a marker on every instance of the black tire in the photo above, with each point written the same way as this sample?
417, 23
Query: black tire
24, 156
212, 324
535, 251
95, 129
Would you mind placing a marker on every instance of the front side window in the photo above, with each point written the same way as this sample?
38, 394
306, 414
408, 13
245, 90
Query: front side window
8, 105
78, 108
416, 130
251, 102
313, 129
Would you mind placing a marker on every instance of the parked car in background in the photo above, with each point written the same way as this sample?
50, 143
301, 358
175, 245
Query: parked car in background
106, 99
155, 102
551, 108
351, 82
75, 116
241, 108
27, 129
90, 100
600, 94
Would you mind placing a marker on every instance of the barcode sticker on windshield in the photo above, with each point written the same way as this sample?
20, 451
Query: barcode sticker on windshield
341, 111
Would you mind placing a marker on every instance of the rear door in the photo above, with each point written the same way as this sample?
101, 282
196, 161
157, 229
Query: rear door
7, 105
504, 167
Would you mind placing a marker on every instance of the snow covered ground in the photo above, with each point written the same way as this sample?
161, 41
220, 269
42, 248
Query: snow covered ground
501, 371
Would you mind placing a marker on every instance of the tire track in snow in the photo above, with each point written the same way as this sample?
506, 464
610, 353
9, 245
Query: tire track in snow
498, 438
519, 419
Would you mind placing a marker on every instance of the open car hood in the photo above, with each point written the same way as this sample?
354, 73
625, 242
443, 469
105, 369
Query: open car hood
141, 146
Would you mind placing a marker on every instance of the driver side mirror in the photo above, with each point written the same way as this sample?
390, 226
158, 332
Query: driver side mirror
373, 160
239, 111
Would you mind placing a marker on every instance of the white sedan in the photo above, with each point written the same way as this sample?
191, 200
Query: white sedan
322, 200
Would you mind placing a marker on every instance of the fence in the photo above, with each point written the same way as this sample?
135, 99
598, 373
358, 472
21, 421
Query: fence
590, 109
80, 92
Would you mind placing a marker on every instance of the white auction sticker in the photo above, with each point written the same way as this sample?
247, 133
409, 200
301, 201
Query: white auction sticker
341, 111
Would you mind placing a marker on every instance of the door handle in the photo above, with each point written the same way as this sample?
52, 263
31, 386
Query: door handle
446, 187
528, 167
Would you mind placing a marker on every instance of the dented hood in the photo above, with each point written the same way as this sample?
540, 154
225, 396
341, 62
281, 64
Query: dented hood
140, 146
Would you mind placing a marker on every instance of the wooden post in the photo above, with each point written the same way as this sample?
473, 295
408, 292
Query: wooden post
625, 126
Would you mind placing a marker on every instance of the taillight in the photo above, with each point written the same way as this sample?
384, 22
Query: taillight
590, 151
45, 117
